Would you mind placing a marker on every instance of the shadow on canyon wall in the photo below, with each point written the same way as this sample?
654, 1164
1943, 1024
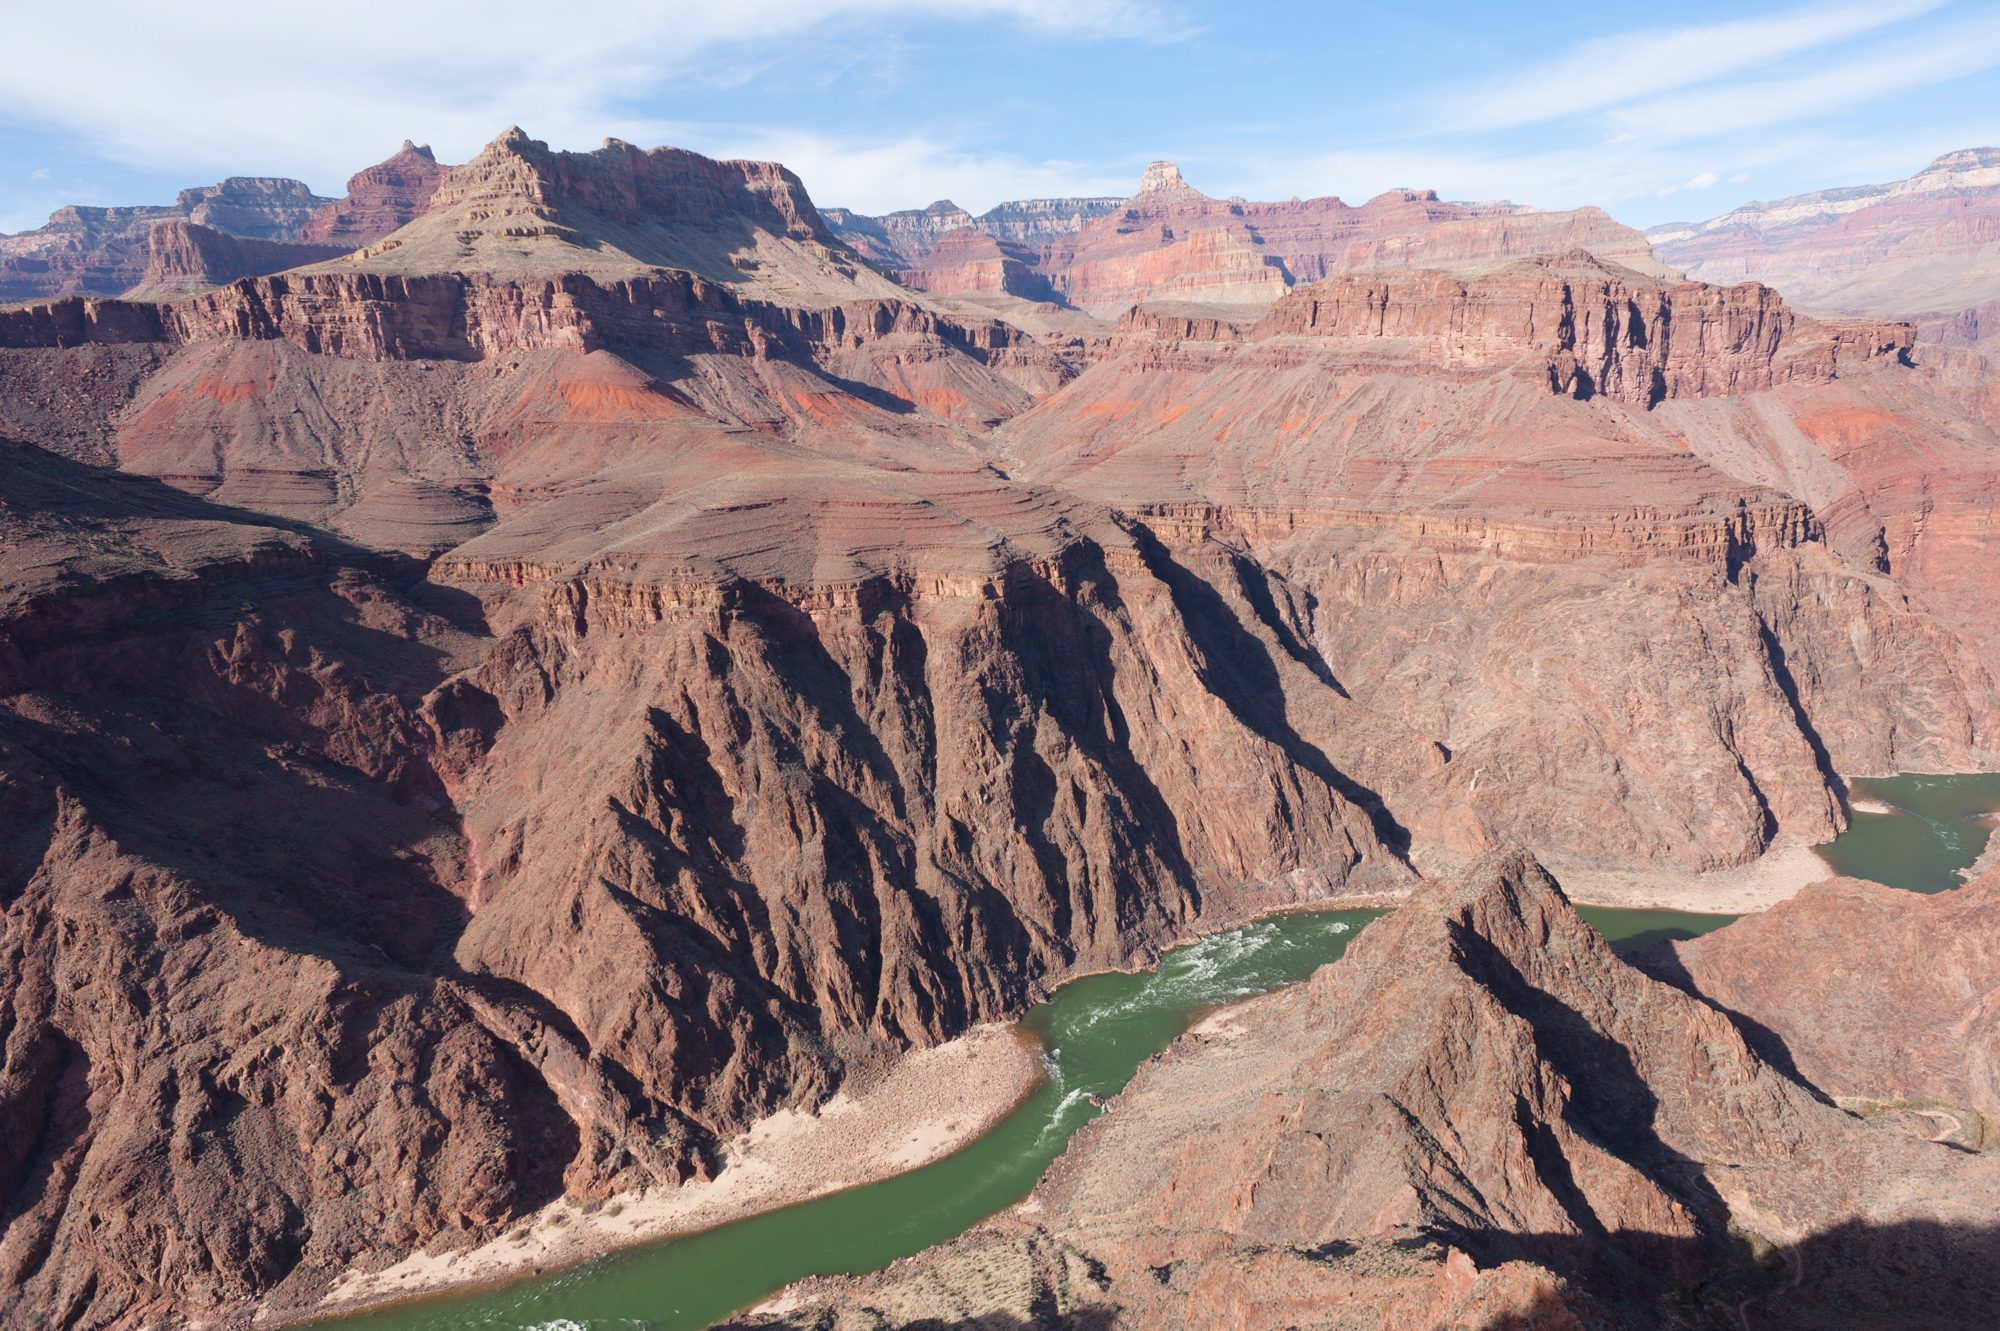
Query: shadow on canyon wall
1912, 1276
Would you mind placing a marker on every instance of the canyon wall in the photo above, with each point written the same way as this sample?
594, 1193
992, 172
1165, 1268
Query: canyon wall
678, 665
243, 226
1170, 242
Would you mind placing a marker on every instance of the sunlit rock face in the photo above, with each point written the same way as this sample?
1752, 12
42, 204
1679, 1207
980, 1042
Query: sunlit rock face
1925, 249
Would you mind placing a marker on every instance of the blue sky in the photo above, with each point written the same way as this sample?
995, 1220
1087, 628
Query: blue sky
1656, 113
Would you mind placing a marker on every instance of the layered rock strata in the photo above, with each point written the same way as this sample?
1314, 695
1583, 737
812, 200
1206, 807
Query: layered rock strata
1926, 248
242, 227
1875, 995
1171, 242
1487, 485
609, 556
380, 199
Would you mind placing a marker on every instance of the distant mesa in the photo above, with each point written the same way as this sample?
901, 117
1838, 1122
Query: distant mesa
245, 226
1169, 241
1926, 248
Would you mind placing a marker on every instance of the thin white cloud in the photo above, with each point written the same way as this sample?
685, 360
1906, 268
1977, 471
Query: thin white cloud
1700, 181
1939, 57
878, 177
1613, 70
203, 88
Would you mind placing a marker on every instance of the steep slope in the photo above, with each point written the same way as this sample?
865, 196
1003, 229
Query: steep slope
1873, 995
1171, 242
379, 199
183, 257
1480, 1117
519, 211
1926, 248
105, 251
658, 855
753, 723
1574, 524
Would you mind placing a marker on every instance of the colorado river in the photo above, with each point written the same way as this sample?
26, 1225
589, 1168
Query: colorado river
1937, 829
1094, 1033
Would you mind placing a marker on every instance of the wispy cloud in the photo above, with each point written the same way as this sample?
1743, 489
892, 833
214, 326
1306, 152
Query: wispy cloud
199, 87
1613, 70
1884, 71
1700, 181
884, 104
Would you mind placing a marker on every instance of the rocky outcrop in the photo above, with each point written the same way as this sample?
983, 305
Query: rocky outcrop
1479, 479
995, 738
1479, 1117
906, 240
887, 239
379, 200
185, 256
1599, 330
242, 227
518, 210
1878, 996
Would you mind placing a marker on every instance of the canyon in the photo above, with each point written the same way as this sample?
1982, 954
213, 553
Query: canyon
592, 650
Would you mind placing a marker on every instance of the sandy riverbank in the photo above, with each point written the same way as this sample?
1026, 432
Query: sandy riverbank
929, 1104
1773, 877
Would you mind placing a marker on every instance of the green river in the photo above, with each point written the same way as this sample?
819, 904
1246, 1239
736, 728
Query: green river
1935, 834
1094, 1034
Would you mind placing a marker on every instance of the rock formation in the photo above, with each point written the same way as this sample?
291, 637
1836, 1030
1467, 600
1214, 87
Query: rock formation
1477, 481
106, 251
1925, 249
681, 662
245, 226
1872, 994
1480, 1117
380, 199
186, 256
1170, 241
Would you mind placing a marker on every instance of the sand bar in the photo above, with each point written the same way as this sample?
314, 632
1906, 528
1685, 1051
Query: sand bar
928, 1105
1778, 874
